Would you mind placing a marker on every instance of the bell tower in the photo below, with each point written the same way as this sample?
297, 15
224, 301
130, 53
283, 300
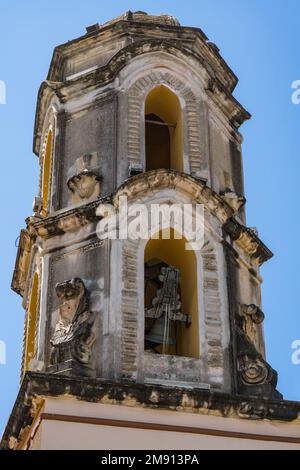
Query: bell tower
135, 341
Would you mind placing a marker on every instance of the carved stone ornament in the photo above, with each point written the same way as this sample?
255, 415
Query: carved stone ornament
257, 316
253, 371
73, 336
255, 376
251, 316
233, 199
251, 411
84, 184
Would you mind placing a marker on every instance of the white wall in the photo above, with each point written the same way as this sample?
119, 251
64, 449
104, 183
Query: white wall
56, 434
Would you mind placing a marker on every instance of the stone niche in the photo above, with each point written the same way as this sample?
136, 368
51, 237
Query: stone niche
89, 264
89, 132
84, 183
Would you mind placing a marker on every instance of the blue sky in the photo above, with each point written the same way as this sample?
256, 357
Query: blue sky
260, 41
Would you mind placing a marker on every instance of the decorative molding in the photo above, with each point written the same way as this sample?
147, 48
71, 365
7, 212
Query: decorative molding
55, 87
159, 179
72, 219
66, 221
198, 401
231, 108
248, 241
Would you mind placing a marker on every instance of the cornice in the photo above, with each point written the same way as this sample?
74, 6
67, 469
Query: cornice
137, 30
72, 219
37, 386
248, 241
220, 93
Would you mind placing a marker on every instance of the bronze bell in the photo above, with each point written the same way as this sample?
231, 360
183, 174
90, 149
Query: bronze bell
160, 332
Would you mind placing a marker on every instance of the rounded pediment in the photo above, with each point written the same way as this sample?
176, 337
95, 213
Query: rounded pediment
147, 184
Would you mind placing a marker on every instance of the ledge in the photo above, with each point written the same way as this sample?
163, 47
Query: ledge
140, 29
40, 385
69, 220
248, 241
221, 79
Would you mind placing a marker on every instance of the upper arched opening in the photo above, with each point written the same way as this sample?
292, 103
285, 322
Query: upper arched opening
163, 130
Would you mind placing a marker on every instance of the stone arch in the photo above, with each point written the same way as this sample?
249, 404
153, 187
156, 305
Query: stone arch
163, 126
47, 165
47, 160
209, 367
32, 322
136, 98
48, 106
194, 189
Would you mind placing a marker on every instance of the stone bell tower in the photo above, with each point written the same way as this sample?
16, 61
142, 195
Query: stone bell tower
133, 342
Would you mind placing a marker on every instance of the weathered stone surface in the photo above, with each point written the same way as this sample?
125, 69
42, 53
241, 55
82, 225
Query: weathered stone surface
195, 400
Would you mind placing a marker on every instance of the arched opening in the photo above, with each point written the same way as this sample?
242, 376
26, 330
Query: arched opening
46, 173
171, 272
163, 130
32, 316
158, 146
